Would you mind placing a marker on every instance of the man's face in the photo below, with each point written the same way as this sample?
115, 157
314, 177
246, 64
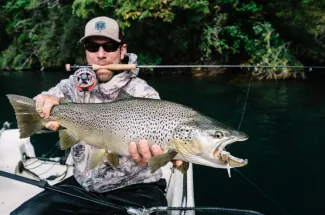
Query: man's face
102, 57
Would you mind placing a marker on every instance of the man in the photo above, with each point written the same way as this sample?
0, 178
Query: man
131, 184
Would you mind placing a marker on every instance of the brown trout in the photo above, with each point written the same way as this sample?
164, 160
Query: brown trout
181, 132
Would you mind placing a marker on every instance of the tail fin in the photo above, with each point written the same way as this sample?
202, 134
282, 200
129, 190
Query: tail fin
28, 120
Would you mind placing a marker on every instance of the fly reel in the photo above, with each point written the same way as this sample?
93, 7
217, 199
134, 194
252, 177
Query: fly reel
84, 79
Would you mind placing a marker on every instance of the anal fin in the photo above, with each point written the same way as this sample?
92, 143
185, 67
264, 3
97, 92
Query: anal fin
161, 160
96, 157
113, 159
67, 139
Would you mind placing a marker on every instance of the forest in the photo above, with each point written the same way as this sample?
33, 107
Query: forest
45, 33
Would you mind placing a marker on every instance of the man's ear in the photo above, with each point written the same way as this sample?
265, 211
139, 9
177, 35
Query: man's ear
123, 51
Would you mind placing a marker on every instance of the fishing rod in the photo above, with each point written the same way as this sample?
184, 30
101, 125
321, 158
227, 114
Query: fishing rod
84, 76
43, 184
69, 67
130, 210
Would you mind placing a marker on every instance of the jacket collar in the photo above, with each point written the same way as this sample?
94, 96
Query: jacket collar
120, 80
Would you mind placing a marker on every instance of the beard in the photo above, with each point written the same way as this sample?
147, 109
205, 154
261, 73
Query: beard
104, 76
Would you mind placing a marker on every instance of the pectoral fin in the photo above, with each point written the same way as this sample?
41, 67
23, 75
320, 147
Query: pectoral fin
64, 100
161, 160
184, 167
113, 159
122, 95
96, 157
67, 139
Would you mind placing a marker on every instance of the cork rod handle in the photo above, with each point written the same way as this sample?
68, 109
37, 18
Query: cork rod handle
115, 67
68, 67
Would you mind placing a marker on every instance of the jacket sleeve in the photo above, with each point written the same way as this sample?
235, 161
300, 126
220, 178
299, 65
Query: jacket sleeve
140, 88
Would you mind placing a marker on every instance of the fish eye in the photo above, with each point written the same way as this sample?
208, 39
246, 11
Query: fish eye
218, 135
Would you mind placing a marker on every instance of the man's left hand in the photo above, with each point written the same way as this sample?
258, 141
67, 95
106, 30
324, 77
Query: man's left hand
146, 152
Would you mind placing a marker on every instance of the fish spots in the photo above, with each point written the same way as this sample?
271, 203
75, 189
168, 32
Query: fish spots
131, 119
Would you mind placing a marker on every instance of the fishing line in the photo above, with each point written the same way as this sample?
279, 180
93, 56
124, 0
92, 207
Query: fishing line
44, 159
36, 166
245, 104
25, 156
64, 174
252, 183
31, 164
172, 169
49, 168
242, 117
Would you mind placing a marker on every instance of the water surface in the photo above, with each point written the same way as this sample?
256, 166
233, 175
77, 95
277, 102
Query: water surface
285, 121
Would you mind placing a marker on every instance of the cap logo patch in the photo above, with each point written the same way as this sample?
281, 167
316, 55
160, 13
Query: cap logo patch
100, 25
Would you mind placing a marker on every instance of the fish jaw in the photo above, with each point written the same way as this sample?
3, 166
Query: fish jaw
220, 158
240, 136
212, 155
220, 155
231, 161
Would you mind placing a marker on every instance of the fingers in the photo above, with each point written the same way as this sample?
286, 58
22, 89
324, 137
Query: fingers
39, 108
145, 150
52, 125
177, 162
135, 154
48, 106
44, 104
146, 153
156, 150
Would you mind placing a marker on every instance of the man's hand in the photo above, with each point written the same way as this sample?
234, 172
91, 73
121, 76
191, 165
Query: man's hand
44, 104
146, 153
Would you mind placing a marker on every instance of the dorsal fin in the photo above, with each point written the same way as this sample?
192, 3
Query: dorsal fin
122, 95
64, 100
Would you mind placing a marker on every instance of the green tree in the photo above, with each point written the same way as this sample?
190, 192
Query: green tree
46, 33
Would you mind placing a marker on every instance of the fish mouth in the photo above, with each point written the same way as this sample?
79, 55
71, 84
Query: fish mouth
225, 157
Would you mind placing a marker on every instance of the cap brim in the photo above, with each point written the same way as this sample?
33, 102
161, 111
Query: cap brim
82, 40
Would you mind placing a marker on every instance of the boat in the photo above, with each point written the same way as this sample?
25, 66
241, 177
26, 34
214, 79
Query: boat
22, 154
17, 183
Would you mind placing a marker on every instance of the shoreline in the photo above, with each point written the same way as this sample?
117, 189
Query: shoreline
235, 73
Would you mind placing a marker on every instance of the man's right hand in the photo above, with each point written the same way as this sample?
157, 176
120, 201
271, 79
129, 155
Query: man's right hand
44, 104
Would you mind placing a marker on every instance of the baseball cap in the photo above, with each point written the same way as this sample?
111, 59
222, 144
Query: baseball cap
102, 26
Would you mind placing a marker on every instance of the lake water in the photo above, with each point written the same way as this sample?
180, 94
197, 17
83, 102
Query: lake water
285, 121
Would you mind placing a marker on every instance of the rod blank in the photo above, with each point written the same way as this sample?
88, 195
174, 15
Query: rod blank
68, 67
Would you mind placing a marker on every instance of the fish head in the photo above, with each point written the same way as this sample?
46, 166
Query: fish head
203, 141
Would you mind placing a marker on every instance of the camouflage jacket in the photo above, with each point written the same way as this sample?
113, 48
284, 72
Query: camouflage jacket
104, 178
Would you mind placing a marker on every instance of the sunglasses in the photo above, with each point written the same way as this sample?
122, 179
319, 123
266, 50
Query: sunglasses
108, 47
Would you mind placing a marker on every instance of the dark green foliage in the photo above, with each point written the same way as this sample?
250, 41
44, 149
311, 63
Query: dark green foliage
46, 33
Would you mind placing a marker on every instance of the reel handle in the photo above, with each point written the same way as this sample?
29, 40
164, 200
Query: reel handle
68, 67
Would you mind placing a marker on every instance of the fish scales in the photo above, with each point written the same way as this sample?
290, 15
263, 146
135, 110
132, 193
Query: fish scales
182, 132
132, 120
